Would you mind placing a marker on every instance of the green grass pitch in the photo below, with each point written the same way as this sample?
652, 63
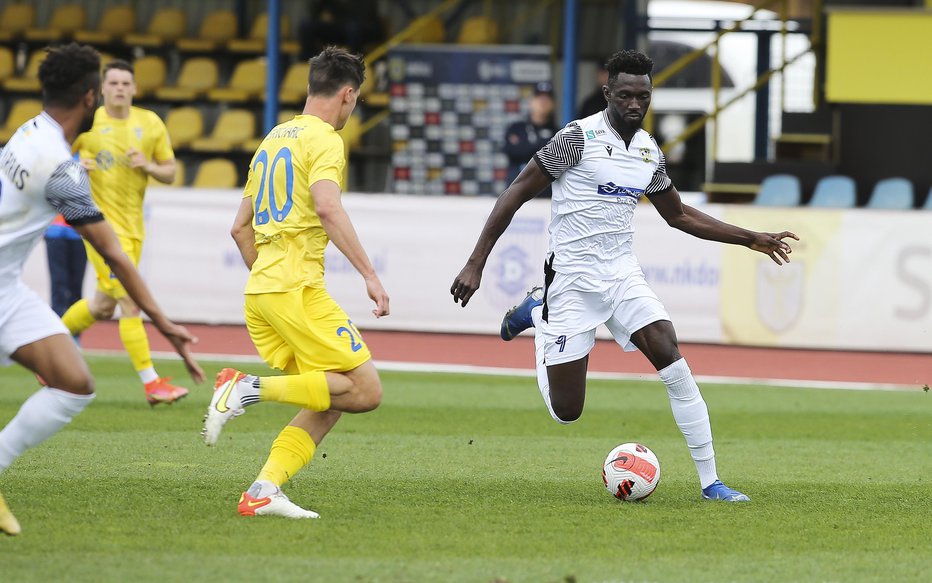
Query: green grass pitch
463, 478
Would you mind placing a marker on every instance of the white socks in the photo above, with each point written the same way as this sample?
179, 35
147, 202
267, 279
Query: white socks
148, 375
40, 417
692, 417
537, 314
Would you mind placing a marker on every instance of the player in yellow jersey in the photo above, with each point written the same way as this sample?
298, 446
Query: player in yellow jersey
122, 150
290, 210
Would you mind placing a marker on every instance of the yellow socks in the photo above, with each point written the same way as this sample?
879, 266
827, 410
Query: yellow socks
78, 317
134, 338
291, 451
308, 390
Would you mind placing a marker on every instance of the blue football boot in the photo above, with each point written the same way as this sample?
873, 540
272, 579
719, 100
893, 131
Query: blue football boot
719, 491
518, 318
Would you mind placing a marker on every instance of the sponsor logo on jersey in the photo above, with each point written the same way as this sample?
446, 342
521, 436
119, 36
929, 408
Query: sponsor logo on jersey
591, 134
609, 150
612, 189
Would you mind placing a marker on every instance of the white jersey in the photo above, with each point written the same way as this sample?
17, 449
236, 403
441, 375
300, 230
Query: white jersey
38, 179
598, 181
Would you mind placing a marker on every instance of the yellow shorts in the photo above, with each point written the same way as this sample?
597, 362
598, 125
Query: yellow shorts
304, 331
107, 282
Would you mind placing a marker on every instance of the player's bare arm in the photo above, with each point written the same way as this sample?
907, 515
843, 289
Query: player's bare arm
698, 224
340, 230
243, 232
163, 171
526, 186
101, 236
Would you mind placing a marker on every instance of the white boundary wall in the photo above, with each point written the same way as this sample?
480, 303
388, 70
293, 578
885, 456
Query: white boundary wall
859, 279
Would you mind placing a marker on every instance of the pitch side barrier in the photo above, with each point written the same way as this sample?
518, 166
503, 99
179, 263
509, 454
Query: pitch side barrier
858, 279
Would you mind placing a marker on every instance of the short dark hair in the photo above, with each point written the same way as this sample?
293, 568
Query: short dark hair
333, 68
120, 65
67, 73
629, 62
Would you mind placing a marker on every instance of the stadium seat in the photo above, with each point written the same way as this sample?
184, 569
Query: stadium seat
428, 29
779, 190
834, 192
293, 88
115, 23
179, 176
28, 81
149, 75
351, 133
478, 30
246, 84
892, 194
15, 20
66, 19
215, 173
184, 125
7, 64
233, 128
927, 205
167, 26
255, 42
21, 112
217, 28
197, 76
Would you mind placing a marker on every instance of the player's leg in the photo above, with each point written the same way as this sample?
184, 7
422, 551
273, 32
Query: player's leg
85, 312
658, 342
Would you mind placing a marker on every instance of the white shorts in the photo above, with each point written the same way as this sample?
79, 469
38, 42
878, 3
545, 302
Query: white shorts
575, 305
24, 319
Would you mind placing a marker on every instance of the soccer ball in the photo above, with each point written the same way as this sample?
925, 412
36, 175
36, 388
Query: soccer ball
631, 472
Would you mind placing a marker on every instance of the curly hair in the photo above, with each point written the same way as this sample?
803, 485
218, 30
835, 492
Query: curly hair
333, 68
67, 73
629, 62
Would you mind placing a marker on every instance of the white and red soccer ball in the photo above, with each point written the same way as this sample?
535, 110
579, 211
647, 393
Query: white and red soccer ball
631, 472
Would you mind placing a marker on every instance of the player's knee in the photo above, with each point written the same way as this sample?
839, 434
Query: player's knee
102, 311
369, 396
77, 382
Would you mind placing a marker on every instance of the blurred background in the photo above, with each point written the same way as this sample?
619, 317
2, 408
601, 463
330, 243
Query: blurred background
808, 115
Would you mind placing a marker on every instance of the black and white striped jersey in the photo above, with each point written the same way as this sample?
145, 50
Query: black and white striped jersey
598, 181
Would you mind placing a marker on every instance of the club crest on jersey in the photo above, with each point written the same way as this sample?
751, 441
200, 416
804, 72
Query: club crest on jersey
612, 189
645, 155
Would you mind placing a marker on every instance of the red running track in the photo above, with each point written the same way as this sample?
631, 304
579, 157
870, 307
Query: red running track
880, 368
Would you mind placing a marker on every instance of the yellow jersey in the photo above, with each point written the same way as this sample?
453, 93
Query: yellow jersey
290, 239
118, 189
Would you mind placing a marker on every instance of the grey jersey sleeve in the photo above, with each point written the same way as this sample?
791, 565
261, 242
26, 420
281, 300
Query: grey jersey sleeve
69, 192
660, 182
562, 152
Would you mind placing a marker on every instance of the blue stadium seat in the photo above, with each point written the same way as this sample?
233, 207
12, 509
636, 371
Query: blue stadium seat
834, 191
928, 204
779, 190
892, 194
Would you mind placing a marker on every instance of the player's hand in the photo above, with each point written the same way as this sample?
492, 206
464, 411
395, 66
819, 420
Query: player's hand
88, 164
181, 339
774, 246
378, 295
137, 159
466, 284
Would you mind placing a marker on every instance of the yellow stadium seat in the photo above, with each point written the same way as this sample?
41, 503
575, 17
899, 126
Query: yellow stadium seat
167, 26
64, 22
429, 29
294, 86
28, 82
149, 74
246, 84
217, 28
478, 30
255, 42
7, 64
215, 173
184, 124
115, 23
232, 129
15, 20
179, 176
198, 76
21, 112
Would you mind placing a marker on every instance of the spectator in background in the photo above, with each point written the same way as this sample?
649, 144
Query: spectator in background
595, 101
352, 24
67, 262
524, 138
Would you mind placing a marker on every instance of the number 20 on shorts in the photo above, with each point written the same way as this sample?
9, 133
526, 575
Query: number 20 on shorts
267, 207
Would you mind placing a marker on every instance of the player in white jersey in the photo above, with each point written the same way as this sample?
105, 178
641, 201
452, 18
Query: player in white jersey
39, 179
600, 166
